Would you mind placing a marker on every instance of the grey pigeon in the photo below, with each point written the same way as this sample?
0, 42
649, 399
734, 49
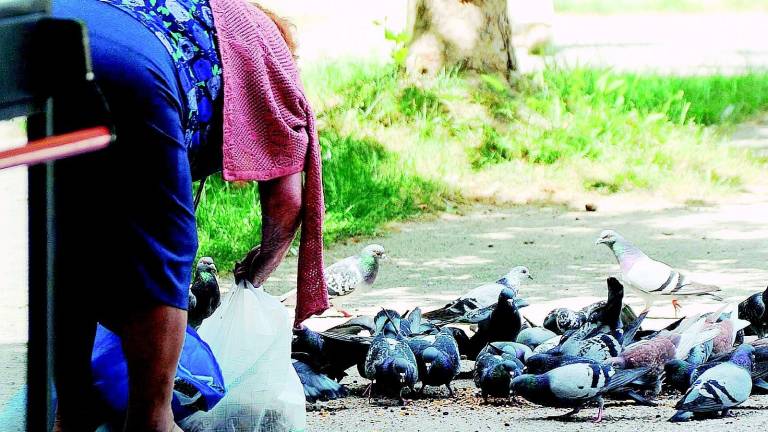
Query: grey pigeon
346, 275
494, 371
720, 388
649, 278
353, 272
574, 385
438, 358
753, 309
205, 291
390, 363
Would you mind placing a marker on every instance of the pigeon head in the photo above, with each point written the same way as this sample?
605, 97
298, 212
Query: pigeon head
524, 385
678, 374
744, 357
430, 356
609, 238
206, 265
394, 373
508, 295
375, 251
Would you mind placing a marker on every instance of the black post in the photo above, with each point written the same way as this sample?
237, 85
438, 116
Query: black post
41, 281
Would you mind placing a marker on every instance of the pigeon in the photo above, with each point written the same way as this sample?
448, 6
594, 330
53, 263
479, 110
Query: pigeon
753, 309
437, 357
332, 353
561, 320
317, 386
482, 297
360, 270
603, 317
494, 373
574, 385
665, 346
390, 363
598, 348
206, 292
720, 388
503, 324
650, 278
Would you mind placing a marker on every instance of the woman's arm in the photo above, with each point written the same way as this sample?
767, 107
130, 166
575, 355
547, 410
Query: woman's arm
281, 215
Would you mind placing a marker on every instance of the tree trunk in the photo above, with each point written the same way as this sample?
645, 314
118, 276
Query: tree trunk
470, 34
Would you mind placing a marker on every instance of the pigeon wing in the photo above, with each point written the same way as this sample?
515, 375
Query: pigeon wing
651, 276
343, 277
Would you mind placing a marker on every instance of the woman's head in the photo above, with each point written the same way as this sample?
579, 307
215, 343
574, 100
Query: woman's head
284, 25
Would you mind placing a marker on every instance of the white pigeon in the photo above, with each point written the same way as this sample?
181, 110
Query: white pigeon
482, 297
649, 278
360, 270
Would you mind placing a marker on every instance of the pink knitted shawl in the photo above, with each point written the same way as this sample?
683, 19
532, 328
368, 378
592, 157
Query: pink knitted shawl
269, 129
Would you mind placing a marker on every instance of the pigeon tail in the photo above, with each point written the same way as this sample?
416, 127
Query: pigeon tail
696, 288
623, 377
631, 331
693, 336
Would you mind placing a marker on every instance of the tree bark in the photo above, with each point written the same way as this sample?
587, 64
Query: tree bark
469, 34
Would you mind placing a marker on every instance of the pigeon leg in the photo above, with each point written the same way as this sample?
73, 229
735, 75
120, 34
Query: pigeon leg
450, 391
369, 391
677, 306
728, 413
421, 390
344, 313
600, 406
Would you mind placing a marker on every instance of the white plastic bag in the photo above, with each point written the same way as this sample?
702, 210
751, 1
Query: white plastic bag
250, 335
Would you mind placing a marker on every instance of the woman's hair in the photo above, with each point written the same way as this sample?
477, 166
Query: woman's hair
284, 25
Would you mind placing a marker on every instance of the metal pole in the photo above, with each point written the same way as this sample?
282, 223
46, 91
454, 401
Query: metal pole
41, 282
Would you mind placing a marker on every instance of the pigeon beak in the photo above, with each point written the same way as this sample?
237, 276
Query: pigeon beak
428, 365
530, 276
384, 257
402, 378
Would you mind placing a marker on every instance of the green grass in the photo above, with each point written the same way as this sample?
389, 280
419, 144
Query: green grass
393, 149
635, 6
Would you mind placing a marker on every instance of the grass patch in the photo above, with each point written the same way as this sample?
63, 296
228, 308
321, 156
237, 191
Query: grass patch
635, 6
393, 149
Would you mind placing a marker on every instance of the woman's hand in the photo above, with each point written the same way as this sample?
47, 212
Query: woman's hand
281, 215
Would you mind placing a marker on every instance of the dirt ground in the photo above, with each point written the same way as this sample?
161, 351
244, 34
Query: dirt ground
437, 412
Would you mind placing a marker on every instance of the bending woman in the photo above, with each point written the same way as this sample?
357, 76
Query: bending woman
193, 86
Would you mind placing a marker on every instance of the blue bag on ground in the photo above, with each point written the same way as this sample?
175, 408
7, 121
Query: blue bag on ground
198, 386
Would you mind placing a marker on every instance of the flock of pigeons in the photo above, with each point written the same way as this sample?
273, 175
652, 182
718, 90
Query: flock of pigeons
574, 359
